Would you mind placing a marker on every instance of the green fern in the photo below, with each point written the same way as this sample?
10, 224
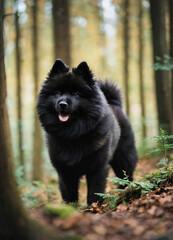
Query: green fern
162, 146
134, 190
119, 181
109, 198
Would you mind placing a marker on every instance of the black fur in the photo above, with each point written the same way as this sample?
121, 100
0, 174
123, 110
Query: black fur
86, 130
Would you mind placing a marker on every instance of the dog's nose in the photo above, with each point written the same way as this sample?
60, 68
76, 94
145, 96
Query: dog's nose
63, 105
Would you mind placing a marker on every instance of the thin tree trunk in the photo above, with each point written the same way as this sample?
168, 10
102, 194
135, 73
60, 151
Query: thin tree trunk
37, 141
141, 63
18, 85
165, 115
171, 41
126, 54
61, 30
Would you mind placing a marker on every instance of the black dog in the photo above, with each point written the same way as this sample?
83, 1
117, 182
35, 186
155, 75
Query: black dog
86, 130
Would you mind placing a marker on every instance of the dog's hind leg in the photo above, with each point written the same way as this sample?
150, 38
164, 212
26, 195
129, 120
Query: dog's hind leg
124, 160
125, 156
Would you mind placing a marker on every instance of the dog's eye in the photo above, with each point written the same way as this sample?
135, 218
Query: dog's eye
58, 92
75, 93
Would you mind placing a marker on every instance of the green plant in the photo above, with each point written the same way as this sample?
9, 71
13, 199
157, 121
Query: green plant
163, 145
164, 63
19, 174
30, 198
51, 193
133, 190
28, 190
160, 175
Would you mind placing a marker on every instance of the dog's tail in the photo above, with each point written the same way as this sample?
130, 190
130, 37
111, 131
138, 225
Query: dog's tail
111, 92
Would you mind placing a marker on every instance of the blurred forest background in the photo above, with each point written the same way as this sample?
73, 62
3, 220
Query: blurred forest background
129, 42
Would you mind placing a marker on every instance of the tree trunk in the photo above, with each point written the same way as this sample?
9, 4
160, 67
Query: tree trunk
18, 85
141, 64
126, 54
61, 30
12, 217
171, 42
37, 141
165, 116
14, 224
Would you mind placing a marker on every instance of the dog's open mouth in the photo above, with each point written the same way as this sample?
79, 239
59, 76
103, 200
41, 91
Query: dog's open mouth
64, 117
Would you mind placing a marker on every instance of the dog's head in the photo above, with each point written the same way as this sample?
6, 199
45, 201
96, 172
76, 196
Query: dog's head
69, 99
71, 90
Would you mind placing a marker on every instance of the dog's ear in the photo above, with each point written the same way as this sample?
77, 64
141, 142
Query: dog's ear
84, 71
59, 67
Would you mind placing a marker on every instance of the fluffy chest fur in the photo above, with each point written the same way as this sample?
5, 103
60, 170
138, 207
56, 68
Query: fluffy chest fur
74, 151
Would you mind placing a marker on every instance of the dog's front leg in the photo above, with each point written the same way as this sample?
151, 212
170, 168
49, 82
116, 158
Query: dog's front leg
69, 185
96, 182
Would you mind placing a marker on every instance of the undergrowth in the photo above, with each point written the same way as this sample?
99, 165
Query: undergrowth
147, 184
35, 193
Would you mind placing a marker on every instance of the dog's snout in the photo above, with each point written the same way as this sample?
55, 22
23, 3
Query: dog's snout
63, 105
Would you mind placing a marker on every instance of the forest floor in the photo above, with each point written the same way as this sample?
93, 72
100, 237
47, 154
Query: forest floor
147, 218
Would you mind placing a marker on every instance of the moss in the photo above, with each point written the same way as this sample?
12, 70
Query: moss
60, 210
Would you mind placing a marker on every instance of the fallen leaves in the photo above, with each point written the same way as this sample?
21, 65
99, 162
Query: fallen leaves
155, 204
94, 208
146, 218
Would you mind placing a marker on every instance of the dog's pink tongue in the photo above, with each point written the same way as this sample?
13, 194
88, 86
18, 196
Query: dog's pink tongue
63, 118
